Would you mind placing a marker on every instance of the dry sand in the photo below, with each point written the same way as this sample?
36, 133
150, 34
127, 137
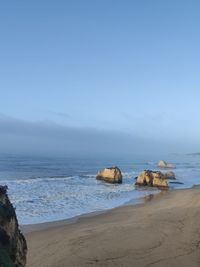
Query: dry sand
162, 232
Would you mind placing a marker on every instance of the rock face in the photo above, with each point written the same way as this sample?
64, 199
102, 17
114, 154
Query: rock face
164, 164
111, 175
151, 178
170, 175
13, 248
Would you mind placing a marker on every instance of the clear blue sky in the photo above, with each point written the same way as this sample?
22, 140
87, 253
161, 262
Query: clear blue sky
109, 67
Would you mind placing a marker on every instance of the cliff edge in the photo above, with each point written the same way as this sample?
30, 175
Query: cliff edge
13, 247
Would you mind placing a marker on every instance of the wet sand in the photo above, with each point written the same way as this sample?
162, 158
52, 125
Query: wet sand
164, 231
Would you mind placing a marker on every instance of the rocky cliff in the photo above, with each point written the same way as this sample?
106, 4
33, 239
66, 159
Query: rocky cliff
13, 248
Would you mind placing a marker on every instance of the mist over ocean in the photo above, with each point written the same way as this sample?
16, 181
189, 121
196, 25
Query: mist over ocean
52, 188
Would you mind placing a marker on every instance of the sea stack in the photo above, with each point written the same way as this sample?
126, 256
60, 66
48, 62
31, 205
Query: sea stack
13, 247
151, 178
110, 175
164, 164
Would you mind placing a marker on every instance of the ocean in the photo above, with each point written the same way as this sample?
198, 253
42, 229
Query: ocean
46, 189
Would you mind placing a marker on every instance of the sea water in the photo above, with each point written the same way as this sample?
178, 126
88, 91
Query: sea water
46, 189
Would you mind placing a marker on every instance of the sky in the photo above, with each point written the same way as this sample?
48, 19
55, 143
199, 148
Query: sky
89, 77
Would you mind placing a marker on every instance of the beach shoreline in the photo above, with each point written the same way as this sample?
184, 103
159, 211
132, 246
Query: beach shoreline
29, 228
161, 232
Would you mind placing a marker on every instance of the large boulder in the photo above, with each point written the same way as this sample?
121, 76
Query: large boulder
13, 247
164, 164
170, 175
111, 175
151, 178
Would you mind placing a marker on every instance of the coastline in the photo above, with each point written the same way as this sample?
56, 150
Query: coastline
162, 231
29, 228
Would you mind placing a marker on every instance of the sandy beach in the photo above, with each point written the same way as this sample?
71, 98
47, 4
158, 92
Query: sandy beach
163, 231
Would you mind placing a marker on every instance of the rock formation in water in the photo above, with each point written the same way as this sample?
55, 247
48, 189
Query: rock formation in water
13, 247
170, 175
151, 178
164, 164
111, 175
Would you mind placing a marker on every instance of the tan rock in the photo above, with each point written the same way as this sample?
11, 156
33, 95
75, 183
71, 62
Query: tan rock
145, 178
151, 178
158, 182
110, 175
164, 164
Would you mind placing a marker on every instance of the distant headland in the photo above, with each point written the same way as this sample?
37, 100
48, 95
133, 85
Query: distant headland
193, 154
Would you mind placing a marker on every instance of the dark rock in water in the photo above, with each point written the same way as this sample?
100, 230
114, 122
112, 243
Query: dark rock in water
13, 247
111, 175
176, 182
151, 178
170, 175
